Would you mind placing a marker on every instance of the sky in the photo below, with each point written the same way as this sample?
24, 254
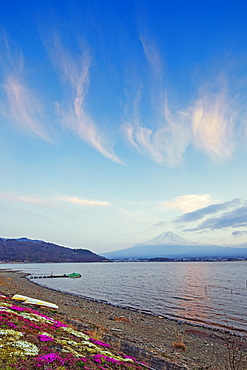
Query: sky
123, 119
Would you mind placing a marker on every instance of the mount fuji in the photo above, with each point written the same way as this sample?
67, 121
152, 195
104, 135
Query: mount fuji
170, 238
171, 245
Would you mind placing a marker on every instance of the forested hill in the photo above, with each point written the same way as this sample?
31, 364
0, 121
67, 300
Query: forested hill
26, 250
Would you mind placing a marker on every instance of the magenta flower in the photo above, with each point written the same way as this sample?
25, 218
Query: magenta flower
97, 360
12, 325
131, 358
83, 359
16, 308
50, 357
99, 343
45, 338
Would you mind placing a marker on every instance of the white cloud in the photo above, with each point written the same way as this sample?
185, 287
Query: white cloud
167, 136
165, 145
213, 119
23, 106
207, 125
24, 199
74, 71
189, 202
152, 55
206, 122
52, 200
84, 202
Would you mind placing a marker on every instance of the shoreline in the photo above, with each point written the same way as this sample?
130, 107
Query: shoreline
200, 323
186, 344
215, 327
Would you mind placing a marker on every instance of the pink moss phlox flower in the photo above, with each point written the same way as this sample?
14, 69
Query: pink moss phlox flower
16, 308
83, 359
50, 357
44, 338
53, 327
36, 313
97, 358
59, 324
131, 358
12, 325
99, 343
112, 360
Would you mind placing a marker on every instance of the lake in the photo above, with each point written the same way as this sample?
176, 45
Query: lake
207, 293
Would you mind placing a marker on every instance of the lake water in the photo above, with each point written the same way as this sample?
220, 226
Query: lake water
207, 293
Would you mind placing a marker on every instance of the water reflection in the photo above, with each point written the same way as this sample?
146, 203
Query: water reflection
212, 293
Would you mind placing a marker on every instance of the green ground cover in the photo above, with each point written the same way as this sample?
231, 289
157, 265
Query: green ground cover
32, 340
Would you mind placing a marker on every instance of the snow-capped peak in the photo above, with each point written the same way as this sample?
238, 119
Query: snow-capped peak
168, 237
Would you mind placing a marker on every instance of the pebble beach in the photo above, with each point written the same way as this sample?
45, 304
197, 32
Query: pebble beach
161, 342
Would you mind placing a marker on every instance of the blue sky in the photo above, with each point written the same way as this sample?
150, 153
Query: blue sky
120, 120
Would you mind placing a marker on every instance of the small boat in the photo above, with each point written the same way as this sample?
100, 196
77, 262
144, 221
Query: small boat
33, 301
19, 297
37, 302
74, 275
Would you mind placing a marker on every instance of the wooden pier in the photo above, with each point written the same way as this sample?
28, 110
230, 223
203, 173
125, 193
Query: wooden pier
73, 275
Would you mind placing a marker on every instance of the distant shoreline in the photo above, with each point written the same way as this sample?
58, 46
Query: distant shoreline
156, 259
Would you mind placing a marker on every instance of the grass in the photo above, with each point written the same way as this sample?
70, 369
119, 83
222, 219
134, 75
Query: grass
179, 344
32, 340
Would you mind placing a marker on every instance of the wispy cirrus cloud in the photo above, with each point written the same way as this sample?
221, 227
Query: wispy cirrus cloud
211, 209
165, 145
25, 199
167, 141
188, 202
53, 200
207, 125
153, 58
74, 72
85, 202
24, 108
207, 121
213, 118
234, 218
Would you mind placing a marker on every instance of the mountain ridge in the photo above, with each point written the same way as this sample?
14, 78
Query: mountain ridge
171, 245
28, 250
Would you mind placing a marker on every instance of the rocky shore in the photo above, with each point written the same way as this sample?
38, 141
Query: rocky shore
162, 343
